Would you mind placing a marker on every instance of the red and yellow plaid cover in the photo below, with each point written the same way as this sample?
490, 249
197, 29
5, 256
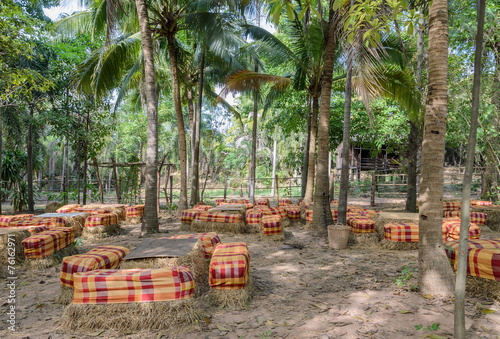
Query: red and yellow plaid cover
262, 202
271, 224
292, 212
50, 222
254, 216
134, 211
25, 223
284, 202
68, 208
219, 201
475, 217
480, 203
306, 204
247, 204
187, 216
48, 242
32, 229
239, 201
101, 220
131, 286
401, 232
208, 240
370, 214
219, 217
452, 206
360, 224
354, 209
229, 266
93, 210
202, 207
335, 215
5, 220
451, 247
103, 257
453, 229
275, 211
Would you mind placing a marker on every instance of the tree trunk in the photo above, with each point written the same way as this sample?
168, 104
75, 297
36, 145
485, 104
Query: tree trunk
344, 173
311, 171
101, 190
253, 155
180, 121
117, 185
411, 198
322, 215
150, 218
31, 204
435, 275
195, 182
305, 163
459, 313
1, 158
275, 144
85, 155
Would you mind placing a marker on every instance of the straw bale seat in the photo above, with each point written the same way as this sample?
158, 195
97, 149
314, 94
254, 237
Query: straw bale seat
478, 218
285, 222
483, 267
243, 202
451, 206
93, 210
231, 208
220, 222
208, 240
284, 202
481, 203
133, 300
229, 276
202, 207
293, 214
33, 229
118, 209
383, 218
271, 228
370, 214
99, 226
75, 220
5, 220
451, 229
219, 201
187, 217
103, 257
50, 222
400, 236
46, 249
362, 230
134, 214
16, 250
493, 212
309, 217
262, 202
68, 208
254, 219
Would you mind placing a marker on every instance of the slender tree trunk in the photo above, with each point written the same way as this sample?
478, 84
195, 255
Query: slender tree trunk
460, 332
1, 158
101, 190
322, 215
411, 198
311, 171
31, 204
85, 162
344, 174
180, 121
150, 218
253, 155
275, 144
78, 171
195, 182
305, 163
117, 184
435, 275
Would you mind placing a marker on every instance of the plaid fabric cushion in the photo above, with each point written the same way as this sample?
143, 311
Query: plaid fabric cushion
48, 242
98, 220
32, 229
254, 216
451, 206
136, 285
247, 204
25, 223
208, 240
68, 208
219, 201
360, 224
187, 216
239, 201
202, 207
219, 217
451, 247
478, 218
370, 214
275, 211
354, 209
50, 222
292, 212
271, 224
454, 230
284, 202
134, 211
262, 201
309, 215
103, 257
400, 232
5, 220
92, 210
229, 266
480, 203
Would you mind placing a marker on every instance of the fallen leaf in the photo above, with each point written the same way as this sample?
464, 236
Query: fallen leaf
367, 295
427, 296
207, 320
159, 335
222, 328
485, 329
40, 306
435, 336
405, 312
487, 311
127, 332
369, 312
270, 323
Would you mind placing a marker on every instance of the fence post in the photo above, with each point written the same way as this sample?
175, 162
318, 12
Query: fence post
225, 187
290, 188
171, 189
374, 185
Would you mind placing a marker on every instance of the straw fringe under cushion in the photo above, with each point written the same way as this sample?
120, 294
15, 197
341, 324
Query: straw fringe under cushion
219, 227
483, 288
384, 218
100, 232
368, 239
232, 299
53, 259
16, 238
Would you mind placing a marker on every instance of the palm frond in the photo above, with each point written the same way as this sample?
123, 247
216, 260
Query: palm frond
245, 80
77, 23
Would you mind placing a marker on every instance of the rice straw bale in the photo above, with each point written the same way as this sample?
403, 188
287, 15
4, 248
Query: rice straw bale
493, 219
271, 228
134, 214
6, 220
231, 209
108, 305
187, 217
400, 237
75, 220
100, 226
262, 202
52, 207
15, 237
384, 218
68, 208
254, 220
219, 222
362, 230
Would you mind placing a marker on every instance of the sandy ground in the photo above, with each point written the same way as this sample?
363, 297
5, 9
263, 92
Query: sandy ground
308, 292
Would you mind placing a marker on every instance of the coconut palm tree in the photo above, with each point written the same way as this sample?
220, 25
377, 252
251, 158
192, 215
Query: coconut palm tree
435, 274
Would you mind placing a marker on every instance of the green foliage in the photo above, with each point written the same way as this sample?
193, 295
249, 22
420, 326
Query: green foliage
406, 274
432, 328
19, 197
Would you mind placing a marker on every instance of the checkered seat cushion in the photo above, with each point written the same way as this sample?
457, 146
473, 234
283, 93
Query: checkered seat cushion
360, 224
187, 216
48, 242
208, 240
401, 232
292, 212
478, 218
134, 211
271, 224
219, 217
229, 266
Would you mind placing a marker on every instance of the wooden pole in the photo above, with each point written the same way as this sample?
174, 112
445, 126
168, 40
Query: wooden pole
374, 185
225, 187
332, 186
166, 187
171, 188
101, 191
277, 192
115, 174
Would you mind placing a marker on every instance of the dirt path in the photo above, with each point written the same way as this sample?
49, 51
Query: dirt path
313, 292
